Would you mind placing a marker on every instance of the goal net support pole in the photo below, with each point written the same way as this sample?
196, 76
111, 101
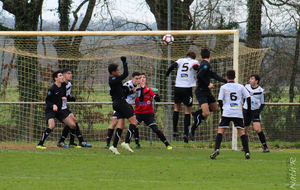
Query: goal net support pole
236, 68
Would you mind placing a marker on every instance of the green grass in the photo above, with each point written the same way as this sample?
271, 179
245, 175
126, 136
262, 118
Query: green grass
152, 167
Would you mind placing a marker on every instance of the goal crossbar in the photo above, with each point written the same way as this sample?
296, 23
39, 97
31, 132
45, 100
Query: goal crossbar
118, 33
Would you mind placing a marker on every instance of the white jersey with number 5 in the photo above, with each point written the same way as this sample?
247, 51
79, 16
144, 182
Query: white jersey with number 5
185, 73
233, 93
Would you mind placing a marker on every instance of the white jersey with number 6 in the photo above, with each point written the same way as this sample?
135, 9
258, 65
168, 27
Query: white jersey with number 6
185, 73
233, 93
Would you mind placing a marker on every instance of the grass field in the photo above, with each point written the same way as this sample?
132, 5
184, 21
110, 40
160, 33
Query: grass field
152, 167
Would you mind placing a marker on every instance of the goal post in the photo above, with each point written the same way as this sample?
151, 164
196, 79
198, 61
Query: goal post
29, 58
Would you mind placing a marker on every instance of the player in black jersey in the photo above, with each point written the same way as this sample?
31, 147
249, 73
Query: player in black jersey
120, 105
56, 94
203, 94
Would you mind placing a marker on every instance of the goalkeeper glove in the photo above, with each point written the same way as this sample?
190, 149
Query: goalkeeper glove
123, 59
157, 97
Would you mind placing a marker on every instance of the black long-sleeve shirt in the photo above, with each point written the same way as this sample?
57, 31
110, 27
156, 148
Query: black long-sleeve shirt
54, 96
204, 75
116, 85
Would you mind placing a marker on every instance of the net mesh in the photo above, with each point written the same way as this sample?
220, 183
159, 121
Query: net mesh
27, 63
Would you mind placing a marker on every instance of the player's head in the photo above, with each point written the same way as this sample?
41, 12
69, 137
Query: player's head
67, 74
230, 74
135, 78
113, 69
57, 76
191, 54
205, 53
254, 79
143, 78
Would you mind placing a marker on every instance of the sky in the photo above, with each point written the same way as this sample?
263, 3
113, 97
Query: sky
131, 9
134, 10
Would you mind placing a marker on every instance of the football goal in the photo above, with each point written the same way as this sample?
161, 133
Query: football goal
28, 59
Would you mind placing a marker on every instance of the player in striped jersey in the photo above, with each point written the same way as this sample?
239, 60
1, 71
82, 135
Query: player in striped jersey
185, 81
68, 78
232, 93
257, 104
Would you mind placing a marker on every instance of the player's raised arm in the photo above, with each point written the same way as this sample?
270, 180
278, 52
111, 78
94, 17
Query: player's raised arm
125, 67
173, 66
119, 78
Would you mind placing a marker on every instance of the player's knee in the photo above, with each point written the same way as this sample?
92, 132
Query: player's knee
205, 114
114, 122
72, 125
73, 118
257, 130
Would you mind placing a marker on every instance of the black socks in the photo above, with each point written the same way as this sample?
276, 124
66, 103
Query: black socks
117, 137
109, 136
218, 141
175, 121
131, 128
187, 123
136, 135
245, 143
262, 138
45, 135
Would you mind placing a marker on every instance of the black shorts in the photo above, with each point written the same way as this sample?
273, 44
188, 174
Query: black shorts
60, 115
148, 119
238, 122
119, 115
254, 116
67, 111
123, 109
183, 95
205, 97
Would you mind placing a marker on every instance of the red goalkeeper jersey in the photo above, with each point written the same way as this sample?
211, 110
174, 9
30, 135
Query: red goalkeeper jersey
143, 102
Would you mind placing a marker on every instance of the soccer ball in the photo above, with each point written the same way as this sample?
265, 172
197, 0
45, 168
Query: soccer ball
168, 39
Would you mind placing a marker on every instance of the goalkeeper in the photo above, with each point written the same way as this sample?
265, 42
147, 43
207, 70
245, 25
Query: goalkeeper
203, 94
144, 109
